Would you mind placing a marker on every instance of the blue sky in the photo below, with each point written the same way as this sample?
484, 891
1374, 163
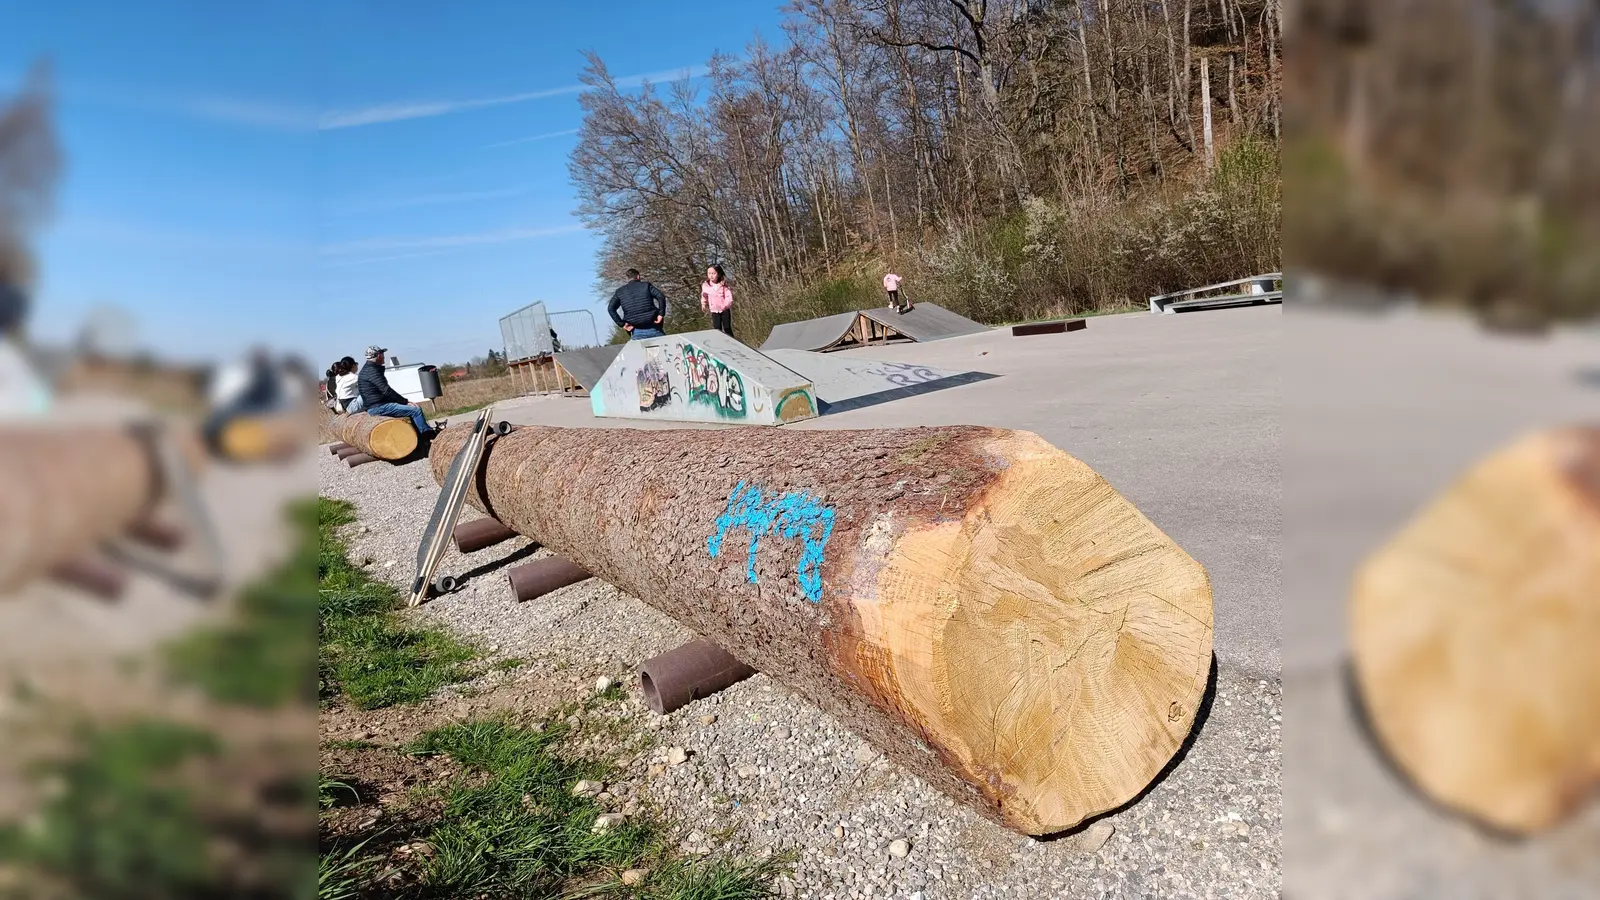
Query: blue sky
323, 177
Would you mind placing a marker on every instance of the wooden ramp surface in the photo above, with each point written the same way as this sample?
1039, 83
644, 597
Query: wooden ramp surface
585, 366
825, 333
925, 322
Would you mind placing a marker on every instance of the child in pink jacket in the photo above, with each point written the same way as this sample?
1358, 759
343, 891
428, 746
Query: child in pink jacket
891, 283
717, 298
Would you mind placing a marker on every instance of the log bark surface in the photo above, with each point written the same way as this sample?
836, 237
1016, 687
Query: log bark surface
66, 489
1475, 636
380, 437
979, 605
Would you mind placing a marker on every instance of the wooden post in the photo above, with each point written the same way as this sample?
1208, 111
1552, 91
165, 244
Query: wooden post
977, 604
1205, 109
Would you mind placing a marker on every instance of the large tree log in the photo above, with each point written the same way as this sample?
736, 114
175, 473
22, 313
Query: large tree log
380, 437
66, 488
1475, 636
979, 605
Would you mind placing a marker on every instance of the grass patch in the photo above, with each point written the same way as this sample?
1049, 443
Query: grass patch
507, 665
521, 832
135, 807
120, 821
331, 790
262, 656
348, 744
341, 874
447, 412
367, 652
715, 879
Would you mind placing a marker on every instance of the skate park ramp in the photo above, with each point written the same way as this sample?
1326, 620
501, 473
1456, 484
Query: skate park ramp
702, 376
587, 365
925, 322
826, 333
842, 382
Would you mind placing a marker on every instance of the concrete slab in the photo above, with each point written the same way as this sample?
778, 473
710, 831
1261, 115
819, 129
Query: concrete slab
843, 382
702, 376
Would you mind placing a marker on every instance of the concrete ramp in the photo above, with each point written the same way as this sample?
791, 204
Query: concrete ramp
702, 376
925, 322
586, 366
826, 333
843, 382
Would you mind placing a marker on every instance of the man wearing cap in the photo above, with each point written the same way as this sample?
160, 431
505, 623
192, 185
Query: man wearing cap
380, 399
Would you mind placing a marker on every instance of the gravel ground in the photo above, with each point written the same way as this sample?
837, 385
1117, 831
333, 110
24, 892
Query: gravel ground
767, 772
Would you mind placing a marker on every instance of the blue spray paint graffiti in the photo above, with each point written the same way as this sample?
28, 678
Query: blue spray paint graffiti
789, 516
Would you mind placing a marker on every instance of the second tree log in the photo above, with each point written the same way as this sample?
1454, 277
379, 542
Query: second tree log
380, 437
979, 605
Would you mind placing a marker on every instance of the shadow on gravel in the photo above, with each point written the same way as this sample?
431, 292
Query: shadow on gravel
1201, 716
520, 554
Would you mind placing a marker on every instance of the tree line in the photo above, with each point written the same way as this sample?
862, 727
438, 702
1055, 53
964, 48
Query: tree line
1011, 158
1449, 148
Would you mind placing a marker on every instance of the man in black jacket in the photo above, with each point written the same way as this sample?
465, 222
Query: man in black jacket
379, 399
638, 308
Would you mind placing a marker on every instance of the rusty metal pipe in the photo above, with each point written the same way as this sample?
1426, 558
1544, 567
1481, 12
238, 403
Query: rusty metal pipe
336, 446
348, 452
156, 533
696, 670
480, 534
359, 459
93, 575
542, 576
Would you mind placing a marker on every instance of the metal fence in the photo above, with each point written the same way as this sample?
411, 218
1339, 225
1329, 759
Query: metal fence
575, 328
526, 333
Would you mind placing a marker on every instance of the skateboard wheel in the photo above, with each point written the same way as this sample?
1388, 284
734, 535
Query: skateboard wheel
502, 428
444, 584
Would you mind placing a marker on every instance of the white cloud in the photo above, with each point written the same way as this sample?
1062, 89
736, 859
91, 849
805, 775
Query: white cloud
529, 140
251, 113
400, 111
375, 249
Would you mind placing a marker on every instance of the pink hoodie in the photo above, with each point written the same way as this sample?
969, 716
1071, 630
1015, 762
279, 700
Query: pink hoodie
716, 297
891, 282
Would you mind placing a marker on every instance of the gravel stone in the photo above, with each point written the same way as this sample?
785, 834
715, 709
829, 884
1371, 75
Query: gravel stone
900, 849
607, 821
635, 877
602, 684
587, 788
677, 756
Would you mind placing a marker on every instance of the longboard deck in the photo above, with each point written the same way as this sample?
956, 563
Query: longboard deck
452, 495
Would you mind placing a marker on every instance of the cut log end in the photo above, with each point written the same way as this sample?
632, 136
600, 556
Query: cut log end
1473, 636
393, 439
1053, 640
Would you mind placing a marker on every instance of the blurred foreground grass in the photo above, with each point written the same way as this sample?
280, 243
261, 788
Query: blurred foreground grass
199, 804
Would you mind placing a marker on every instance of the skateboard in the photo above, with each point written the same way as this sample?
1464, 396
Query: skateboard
436, 537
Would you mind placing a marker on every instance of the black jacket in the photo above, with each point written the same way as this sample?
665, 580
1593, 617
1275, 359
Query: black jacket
639, 302
374, 387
